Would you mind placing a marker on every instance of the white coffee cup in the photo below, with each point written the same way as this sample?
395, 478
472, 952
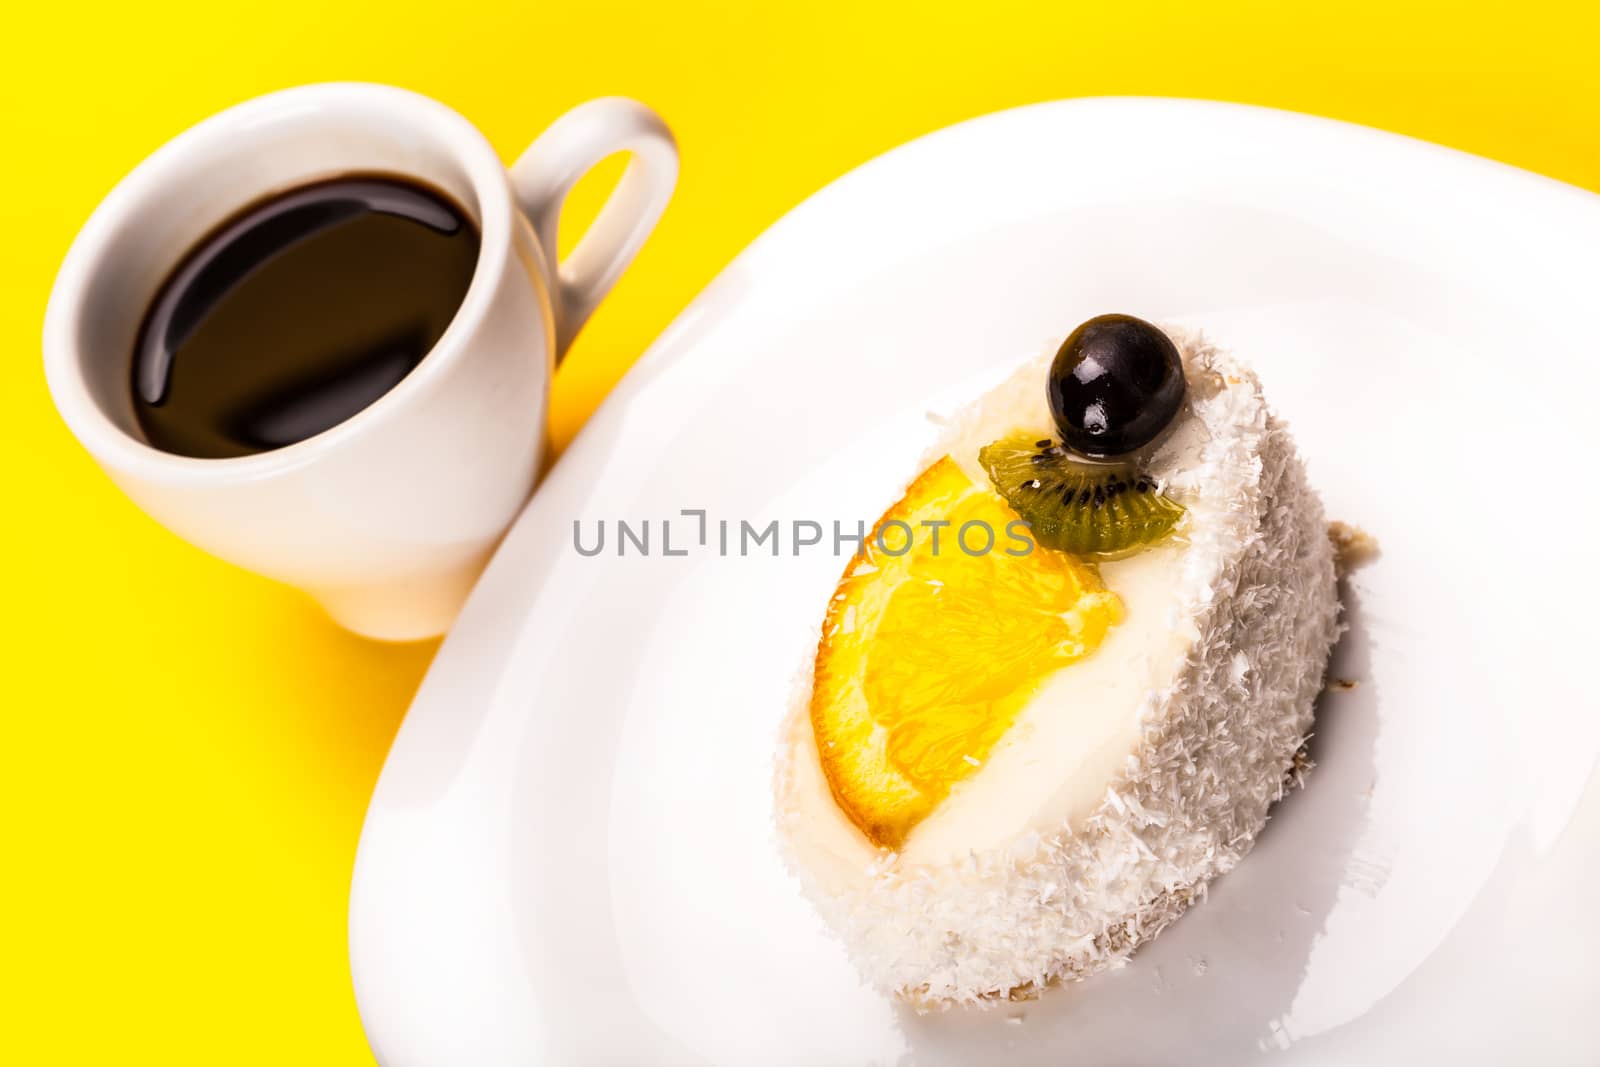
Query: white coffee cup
387, 518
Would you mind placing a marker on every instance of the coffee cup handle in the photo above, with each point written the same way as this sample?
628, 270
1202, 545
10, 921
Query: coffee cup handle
554, 163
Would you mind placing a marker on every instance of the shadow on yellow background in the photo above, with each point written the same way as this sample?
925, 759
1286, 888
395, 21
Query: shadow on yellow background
187, 749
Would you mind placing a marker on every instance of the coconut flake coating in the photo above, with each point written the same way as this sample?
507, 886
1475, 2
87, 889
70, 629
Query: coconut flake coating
1218, 745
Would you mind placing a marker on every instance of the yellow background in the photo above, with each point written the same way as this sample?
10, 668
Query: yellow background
187, 749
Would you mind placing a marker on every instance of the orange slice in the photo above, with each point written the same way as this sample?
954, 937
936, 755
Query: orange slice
928, 657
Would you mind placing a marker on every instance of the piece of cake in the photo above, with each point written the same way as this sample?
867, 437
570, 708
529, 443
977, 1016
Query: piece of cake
1024, 750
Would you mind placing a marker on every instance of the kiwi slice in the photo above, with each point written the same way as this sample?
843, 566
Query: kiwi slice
1088, 509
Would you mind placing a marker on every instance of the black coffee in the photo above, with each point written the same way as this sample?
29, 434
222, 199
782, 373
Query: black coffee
298, 313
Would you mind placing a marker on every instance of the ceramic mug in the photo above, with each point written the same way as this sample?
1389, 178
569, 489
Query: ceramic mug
388, 517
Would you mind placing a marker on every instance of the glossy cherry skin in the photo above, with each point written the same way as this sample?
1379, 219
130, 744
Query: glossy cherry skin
1115, 384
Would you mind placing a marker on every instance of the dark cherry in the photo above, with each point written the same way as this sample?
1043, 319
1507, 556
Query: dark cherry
1116, 383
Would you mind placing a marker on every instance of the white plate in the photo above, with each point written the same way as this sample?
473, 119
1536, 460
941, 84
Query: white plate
569, 856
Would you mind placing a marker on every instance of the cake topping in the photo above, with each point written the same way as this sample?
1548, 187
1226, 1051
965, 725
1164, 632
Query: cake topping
1115, 384
930, 652
1088, 509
